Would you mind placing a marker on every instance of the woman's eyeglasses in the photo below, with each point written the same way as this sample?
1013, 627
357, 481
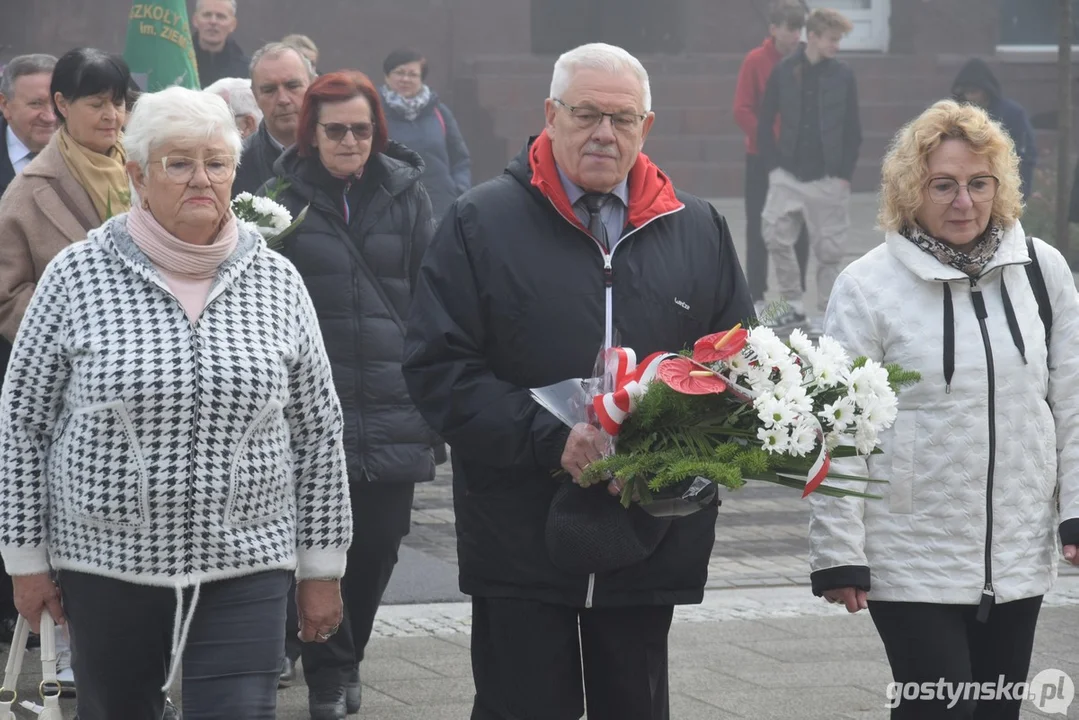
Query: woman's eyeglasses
181, 169
944, 191
336, 131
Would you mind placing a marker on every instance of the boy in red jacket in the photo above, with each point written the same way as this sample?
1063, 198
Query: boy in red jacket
786, 18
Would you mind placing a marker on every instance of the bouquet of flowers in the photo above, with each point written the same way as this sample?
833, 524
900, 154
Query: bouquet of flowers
742, 405
267, 217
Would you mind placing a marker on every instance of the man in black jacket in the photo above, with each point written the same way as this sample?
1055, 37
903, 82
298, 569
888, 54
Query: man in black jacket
280, 75
816, 99
528, 276
217, 54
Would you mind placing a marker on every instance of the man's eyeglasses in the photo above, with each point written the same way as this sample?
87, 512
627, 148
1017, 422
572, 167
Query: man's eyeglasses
587, 118
944, 191
336, 131
181, 169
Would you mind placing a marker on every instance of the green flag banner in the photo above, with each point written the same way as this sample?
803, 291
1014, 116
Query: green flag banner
159, 50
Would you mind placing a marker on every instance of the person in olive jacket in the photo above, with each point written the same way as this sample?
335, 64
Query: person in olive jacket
528, 276
358, 251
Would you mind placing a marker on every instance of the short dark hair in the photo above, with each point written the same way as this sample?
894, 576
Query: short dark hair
791, 13
404, 56
334, 87
85, 72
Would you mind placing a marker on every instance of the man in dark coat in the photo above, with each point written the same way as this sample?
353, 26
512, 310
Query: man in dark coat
280, 75
528, 276
977, 85
217, 54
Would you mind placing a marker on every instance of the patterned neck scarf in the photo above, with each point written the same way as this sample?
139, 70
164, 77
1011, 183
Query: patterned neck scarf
409, 107
973, 262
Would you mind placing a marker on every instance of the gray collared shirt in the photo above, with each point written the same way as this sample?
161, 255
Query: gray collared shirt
612, 213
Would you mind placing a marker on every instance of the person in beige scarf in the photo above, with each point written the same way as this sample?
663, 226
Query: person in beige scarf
76, 183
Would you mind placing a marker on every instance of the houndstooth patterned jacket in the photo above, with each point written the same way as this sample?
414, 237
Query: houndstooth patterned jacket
136, 445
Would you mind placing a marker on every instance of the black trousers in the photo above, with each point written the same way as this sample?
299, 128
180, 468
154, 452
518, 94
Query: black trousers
381, 516
527, 660
928, 642
122, 643
756, 253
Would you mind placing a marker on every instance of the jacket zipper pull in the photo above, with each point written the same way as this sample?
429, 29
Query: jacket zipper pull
978, 300
988, 598
608, 271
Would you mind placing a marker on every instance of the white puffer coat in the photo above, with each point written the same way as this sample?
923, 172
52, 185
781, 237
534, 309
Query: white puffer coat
934, 537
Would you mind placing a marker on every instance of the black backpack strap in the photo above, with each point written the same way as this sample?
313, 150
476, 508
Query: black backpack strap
1041, 293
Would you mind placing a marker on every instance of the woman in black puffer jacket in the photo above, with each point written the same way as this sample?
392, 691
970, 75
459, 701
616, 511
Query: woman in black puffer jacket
358, 250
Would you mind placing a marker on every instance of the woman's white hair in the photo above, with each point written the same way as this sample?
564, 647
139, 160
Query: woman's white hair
599, 56
177, 114
237, 93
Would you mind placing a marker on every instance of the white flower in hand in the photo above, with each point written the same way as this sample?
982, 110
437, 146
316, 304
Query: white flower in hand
800, 342
839, 414
803, 439
774, 440
774, 412
865, 436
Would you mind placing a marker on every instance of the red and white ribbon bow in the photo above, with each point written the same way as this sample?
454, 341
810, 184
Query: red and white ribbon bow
630, 382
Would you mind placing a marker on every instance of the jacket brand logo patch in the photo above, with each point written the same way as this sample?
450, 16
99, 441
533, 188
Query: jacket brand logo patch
681, 304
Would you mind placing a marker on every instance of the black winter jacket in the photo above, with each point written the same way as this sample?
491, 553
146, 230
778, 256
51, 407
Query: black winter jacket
511, 296
257, 162
361, 279
230, 62
840, 124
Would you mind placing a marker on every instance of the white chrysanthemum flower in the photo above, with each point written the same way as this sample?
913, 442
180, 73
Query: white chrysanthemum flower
800, 342
832, 440
774, 440
737, 366
803, 439
839, 414
773, 412
760, 378
881, 413
832, 350
798, 399
767, 346
865, 436
243, 197
860, 386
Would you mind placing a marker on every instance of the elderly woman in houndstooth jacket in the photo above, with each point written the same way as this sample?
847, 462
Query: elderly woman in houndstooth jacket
171, 442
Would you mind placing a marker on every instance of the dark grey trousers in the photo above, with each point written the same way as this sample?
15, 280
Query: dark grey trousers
122, 639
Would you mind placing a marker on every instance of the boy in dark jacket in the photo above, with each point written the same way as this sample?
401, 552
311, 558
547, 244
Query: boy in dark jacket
976, 84
815, 98
786, 18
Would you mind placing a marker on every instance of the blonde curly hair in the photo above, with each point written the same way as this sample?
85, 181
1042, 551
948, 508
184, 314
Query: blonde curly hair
906, 166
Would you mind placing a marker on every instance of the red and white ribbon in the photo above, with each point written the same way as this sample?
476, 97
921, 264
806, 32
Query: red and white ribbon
819, 470
630, 382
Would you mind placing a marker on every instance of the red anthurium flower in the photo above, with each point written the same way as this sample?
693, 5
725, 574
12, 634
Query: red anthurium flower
720, 346
689, 378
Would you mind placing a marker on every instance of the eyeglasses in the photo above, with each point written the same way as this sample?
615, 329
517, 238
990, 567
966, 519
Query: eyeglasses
336, 131
587, 118
406, 75
181, 169
944, 191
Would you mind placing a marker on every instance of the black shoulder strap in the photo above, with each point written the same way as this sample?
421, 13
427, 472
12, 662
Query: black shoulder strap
1041, 293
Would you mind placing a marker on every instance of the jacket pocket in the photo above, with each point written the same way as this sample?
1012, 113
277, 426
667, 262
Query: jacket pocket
100, 469
901, 477
260, 478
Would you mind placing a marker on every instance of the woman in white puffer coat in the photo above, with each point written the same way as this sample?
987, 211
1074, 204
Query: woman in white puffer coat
953, 562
